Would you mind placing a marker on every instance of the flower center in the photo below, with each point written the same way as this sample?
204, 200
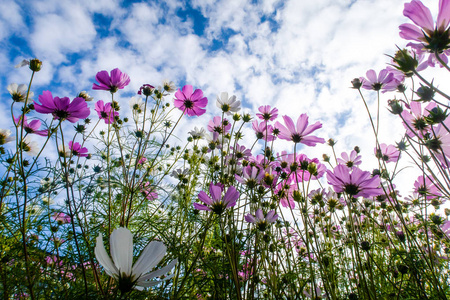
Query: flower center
296, 138
61, 114
188, 104
351, 189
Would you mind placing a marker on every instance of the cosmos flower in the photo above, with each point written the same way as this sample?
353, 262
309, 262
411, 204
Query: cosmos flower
61, 108
121, 266
18, 92
251, 176
431, 37
267, 113
425, 29
191, 103
116, 81
228, 105
415, 120
105, 111
216, 203
32, 127
354, 182
263, 131
218, 125
261, 221
376, 83
426, 187
197, 133
299, 133
146, 90
77, 150
136, 104
387, 153
61, 218
350, 161
29, 147
5, 136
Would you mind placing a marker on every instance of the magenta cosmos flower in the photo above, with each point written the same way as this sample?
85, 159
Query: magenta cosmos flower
216, 203
300, 133
77, 149
105, 111
116, 81
191, 103
354, 182
434, 37
387, 153
32, 127
261, 221
61, 108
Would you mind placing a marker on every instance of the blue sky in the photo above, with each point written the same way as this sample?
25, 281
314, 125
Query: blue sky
299, 56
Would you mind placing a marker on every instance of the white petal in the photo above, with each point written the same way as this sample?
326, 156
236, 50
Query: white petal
103, 257
149, 258
121, 244
12, 88
159, 272
152, 283
22, 63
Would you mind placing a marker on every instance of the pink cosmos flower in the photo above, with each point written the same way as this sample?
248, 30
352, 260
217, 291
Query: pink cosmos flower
216, 203
32, 127
191, 103
354, 182
351, 160
263, 131
218, 125
387, 153
61, 108
304, 166
414, 120
431, 37
61, 217
267, 114
149, 191
425, 186
251, 176
105, 111
261, 221
116, 81
376, 83
77, 150
300, 133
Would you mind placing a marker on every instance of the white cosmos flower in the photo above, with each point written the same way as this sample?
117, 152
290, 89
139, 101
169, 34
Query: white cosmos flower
29, 146
228, 105
19, 92
121, 266
136, 103
5, 136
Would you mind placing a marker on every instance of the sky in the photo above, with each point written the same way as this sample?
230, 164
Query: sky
296, 55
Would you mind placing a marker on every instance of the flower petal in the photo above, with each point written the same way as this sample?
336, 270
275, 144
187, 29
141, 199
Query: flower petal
121, 244
103, 257
149, 258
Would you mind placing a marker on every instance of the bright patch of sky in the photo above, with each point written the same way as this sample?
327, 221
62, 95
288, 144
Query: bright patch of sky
298, 56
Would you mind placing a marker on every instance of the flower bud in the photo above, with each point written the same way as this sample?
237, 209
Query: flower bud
425, 93
396, 107
405, 62
35, 65
356, 83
